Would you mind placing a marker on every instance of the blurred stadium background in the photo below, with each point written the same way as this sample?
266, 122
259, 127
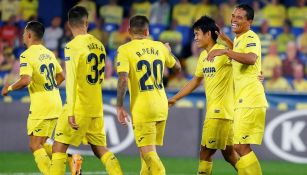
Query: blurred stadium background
282, 28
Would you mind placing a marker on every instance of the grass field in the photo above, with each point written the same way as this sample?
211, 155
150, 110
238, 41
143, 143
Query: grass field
12, 163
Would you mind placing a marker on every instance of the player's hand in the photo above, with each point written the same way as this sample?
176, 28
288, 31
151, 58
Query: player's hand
5, 90
72, 122
214, 53
221, 34
122, 116
171, 102
261, 77
168, 46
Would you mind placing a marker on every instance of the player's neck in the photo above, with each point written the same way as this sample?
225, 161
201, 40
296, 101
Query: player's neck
138, 37
241, 33
210, 45
34, 43
78, 31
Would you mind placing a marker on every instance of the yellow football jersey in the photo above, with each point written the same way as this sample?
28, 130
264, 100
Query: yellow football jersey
144, 60
41, 64
85, 62
218, 84
249, 91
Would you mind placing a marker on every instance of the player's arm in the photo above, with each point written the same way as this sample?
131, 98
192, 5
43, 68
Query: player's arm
122, 86
123, 68
225, 38
22, 82
71, 85
176, 67
244, 58
59, 77
186, 90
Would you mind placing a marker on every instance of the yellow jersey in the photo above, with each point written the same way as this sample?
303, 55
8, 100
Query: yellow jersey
249, 91
145, 60
274, 14
300, 86
85, 61
41, 64
297, 16
218, 84
28, 9
184, 14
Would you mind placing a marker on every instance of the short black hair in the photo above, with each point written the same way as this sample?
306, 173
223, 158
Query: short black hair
248, 9
206, 24
138, 24
37, 28
76, 15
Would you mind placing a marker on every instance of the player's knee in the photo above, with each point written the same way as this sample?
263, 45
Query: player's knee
34, 146
242, 149
206, 153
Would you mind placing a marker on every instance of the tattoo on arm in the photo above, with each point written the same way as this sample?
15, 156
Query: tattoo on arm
122, 88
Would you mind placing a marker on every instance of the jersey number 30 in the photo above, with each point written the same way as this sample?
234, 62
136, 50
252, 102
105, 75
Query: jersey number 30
49, 72
157, 80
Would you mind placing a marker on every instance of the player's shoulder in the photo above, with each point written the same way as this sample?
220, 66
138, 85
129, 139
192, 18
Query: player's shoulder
251, 35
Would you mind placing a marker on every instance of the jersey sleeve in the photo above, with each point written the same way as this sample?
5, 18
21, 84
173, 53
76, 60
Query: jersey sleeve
252, 45
199, 68
122, 64
25, 66
71, 62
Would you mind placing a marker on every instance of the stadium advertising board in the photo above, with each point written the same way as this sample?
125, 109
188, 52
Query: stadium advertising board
285, 135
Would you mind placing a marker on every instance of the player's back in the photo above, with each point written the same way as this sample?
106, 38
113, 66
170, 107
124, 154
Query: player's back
145, 61
41, 64
85, 59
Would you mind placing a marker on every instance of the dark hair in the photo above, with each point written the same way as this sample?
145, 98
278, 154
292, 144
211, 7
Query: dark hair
76, 15
37, 28
248, 9
138, 24
206, 24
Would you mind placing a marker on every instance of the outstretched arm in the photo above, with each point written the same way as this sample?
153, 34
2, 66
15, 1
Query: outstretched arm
187, 89
23, 81
122, 84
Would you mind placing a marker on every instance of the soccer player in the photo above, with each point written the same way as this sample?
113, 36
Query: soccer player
140, 66
218, 85
82, 116
250, 100
41, 73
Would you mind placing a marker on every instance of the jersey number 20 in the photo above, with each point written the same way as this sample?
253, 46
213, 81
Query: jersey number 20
155, 66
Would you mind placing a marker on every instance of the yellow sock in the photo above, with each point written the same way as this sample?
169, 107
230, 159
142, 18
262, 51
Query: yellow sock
111, 163
48, 149
58, 164
144, 168
248, 165
42, 160
204, 168
154, 163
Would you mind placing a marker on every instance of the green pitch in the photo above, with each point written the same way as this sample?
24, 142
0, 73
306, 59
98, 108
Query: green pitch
12, 163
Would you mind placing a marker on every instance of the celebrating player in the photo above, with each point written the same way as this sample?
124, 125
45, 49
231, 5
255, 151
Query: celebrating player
218, 86
83, 114
140, 63
250, 101
41, 73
